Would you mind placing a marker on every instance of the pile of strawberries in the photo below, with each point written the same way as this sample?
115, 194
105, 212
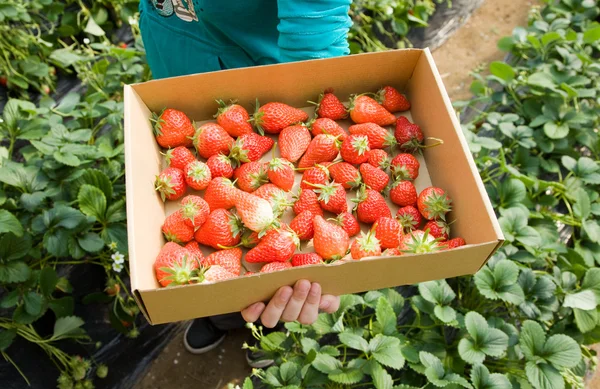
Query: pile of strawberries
245, 198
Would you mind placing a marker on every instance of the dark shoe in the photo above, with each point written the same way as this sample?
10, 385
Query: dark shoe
258, 359
201, 336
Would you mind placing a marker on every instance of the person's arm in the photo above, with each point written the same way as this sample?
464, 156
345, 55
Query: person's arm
302, 303
310, 29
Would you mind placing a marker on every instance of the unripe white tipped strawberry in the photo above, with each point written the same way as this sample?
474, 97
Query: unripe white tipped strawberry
256, 213
366, 245
419, 242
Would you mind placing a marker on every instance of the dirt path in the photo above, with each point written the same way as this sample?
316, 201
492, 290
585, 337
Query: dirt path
473, 45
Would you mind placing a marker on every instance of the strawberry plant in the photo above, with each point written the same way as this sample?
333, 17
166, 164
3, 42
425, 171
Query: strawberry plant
527, 318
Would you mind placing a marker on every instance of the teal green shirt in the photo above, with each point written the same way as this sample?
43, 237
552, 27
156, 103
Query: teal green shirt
194, 36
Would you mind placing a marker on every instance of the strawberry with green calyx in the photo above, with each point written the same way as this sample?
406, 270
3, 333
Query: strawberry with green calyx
277, 197
405, 167
195, 211
330, 240
281, 173
305, 259
195, 252
220, 193
370, 206
419, 242
332, 197
293, 142
452, 243
392, 100
302, 225
249, 239
347, 222
410, 137
326, 126
233, 118
355, 149
170, 183
274, 117
439, 229
344, 173
329, 106
174, 265
274, 266
403, 193
256, 213
197, 175
409, 218
379, 137
323, 148
172, 128
393, 252
316, 175
366, 245
222, 228
215, 273
251, 176
211, 139
379, 158
220, 166
388, 231
249, 148
365, 109
179, 157
306, 199
434, 203
277, 246
230, 259
374, 177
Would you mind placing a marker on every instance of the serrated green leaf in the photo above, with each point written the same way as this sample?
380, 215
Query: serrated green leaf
385, 316
381, 378
586, 300
386, 350
586, 320
65, 326
92, 201
6, 338
9, 223
347, 376
67, 159
482, 379
532, 339
437, 292
48, 281
309, 344
469, 353
354, 341
14, 271
446, 314
544, 376
503, 71
592, 35
273, 341
326, 363
396, 300
12, 247
63, 306
288, 371
33, 303
248, 384
562, 351
91, 242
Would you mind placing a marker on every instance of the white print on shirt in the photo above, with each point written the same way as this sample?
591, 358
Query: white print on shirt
184, 9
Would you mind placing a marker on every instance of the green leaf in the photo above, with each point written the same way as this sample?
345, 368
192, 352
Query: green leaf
12, 247
10, 299
6, 338
296, 327
433, 365
381, 378
65, 326
65, 57
116, 212
542, 80
469, 352
48, 281
347, 376
91, 242
396, 300
445, 313
69, 102
354, 341
586, 300
386, 350
562, 351
248, 384
326, 363
532, 339
288, 371
503, 71
592, 229
437, 292
592, 35
556, 131
386, 317
63, 306
591, 281
33, 303
585, 320
582, 207
92, 201
544, 376
308, 344
15, 271
273, 341
485, 340
95, 178
9, 223
482, 379
118, 233
501, 282
93, 28
67, 159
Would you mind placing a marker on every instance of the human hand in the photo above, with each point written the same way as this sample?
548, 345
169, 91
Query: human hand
302, 303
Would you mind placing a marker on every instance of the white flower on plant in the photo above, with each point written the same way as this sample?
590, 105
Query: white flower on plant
117, 267
112, 245
132, 21
86, 41
389, 11
118, 258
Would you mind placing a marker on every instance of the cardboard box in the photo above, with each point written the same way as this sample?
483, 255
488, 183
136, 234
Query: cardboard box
449, 166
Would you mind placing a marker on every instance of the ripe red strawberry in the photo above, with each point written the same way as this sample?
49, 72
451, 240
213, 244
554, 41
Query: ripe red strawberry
174, 265
250, 176
220, 166
394, 252
392, 100
371, 206
364, 109
409, 135
277, 197
327, 126
379, 137
332, 197
379, 158
307, 200
388, 231
419, 242
195, 210
434, 203
233, 118
274, 117
348, 222
403, 193
277, 246
293, 142
250, 273
211, 139
249, 148
172, 128
221, 229
197, 175
275, 266
281, 173
409, 218
220, 193
439, 229
176, 229
366, 245
317, 175
355, 149
256, 213
302, 225
345, 174
170, 183
230, 259
179, 157
405, 167
304, 259
323, 148
329, 106
330, 240
250, 239
374, 177
451, 244
217, 273
197, 254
